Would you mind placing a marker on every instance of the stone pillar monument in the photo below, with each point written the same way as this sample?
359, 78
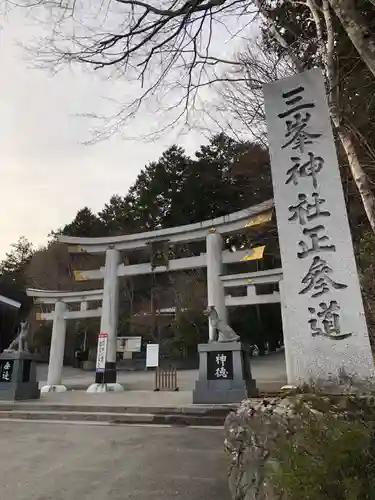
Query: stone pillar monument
215, 289
325, 331
106, 381
56, 356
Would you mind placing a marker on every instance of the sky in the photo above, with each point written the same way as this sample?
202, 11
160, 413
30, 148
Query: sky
47, 172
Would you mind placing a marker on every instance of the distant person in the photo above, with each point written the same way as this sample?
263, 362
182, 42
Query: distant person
78, 358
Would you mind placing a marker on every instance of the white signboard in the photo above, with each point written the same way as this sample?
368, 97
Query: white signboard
152, 355
129, 344
323, 319
133, 344
101, 356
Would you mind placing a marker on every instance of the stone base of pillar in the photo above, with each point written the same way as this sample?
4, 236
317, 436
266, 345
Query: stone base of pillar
105, 388
224, 374
109, 376
53, 388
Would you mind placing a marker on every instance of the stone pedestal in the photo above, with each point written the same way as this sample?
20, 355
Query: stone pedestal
18, 376
224, 374
114, 387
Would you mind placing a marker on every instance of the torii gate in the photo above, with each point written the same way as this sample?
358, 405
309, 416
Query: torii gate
59, 316
214, 259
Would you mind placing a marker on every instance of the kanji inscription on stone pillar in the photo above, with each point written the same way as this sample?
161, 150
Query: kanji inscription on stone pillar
322, 307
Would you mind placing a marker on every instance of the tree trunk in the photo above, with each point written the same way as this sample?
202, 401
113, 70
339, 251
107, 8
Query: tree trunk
359, 176
357, 30
350, 19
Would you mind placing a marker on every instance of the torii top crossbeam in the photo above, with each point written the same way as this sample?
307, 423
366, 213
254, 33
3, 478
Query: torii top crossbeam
53, 296
235, 222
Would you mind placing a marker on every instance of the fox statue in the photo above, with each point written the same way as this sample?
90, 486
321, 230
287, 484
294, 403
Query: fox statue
225, 332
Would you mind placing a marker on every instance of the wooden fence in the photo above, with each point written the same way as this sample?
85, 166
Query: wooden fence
166, 379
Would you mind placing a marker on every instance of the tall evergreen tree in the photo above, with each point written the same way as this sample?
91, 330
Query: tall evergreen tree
118, 215
157, 192
85, 223
12, 268
225, 176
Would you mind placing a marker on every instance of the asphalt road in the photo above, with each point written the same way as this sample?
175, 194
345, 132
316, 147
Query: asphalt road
84, 462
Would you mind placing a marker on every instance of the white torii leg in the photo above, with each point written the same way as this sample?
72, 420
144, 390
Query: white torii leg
215, 289
56, 356
109, 319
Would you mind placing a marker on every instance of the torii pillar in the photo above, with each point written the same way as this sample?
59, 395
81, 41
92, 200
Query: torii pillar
56, 355
215, 288
106, 381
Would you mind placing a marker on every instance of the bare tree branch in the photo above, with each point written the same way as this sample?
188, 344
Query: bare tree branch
247, 105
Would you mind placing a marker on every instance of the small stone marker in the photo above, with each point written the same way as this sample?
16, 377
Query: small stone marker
324, 324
